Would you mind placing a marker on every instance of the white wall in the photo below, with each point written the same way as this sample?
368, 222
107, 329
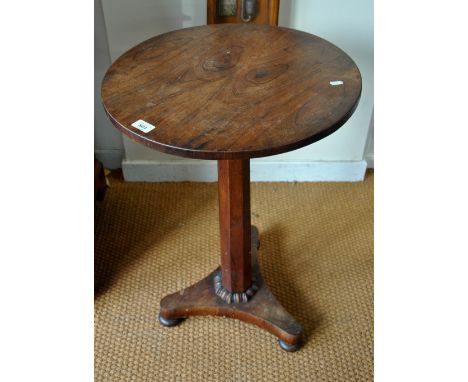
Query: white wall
348, 24
108, 145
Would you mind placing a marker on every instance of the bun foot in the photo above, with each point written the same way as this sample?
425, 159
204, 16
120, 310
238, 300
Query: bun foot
169, 322
289, 347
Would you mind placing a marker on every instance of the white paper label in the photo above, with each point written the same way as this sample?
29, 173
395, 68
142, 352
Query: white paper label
143, 126
336, 83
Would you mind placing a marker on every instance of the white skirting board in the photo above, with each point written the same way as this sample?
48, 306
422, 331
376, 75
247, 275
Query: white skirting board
206, 171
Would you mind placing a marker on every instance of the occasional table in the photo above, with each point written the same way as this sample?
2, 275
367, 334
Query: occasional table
231, 92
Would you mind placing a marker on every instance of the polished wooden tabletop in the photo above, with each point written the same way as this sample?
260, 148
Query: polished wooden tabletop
231, 91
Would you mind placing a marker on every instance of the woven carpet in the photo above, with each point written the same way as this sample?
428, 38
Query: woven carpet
316, 255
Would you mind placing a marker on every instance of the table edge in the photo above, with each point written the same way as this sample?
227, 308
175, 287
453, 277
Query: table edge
217, 155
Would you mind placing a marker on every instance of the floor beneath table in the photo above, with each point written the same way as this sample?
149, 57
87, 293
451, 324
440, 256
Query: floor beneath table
316, 255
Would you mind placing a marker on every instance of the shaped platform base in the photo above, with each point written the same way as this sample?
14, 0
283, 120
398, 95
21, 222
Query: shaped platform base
262, 309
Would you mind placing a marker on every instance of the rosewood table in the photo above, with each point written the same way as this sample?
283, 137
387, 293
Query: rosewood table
231, 92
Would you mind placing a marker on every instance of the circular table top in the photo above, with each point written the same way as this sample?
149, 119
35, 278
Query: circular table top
231, 91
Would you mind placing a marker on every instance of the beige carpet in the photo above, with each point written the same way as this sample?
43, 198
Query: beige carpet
316, 254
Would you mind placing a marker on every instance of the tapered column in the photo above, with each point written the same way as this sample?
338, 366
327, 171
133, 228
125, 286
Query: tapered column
234, 220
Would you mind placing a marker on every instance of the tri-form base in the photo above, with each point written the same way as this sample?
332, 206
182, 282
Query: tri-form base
262, 309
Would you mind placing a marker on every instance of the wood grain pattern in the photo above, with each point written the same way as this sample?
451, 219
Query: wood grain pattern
273, 13
234, 221
231, 91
